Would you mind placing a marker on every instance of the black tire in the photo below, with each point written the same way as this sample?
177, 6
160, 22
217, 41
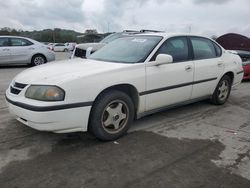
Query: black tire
65, 50
219, 98
38, 60
99, 116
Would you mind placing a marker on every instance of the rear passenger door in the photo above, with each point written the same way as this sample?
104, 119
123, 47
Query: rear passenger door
4, 50
208, 66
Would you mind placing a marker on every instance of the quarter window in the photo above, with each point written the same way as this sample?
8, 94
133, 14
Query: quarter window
203, 48
4, 42
20, 42
218, 50
177, 47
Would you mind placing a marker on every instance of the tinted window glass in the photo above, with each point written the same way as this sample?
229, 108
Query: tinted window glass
20, 42
218, 50
4, 42
176, 47
203, 48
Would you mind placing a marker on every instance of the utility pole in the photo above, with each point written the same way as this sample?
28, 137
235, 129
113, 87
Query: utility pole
54, 38
108, 25
190, 28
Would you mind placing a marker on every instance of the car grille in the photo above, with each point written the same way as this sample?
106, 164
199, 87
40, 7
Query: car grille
16, 88
80, 53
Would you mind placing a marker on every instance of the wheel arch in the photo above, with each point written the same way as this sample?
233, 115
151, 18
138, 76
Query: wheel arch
129, 89
231, 75
228, 73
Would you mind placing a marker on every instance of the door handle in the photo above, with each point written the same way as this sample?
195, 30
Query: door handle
220, 64
6, 49
188, 68
31, 48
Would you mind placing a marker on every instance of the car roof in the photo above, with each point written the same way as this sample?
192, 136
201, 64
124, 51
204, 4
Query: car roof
167, 35
12, 36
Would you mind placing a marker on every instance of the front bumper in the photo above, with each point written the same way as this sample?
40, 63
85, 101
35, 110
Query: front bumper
64, 120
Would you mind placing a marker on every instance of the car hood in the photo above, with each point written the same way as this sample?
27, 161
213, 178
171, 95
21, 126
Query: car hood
93, 46
63, 71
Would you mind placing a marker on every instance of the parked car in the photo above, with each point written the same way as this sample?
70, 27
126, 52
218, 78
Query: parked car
128, 78
86, 49
71, 45
60, 47
21, 50
245, 56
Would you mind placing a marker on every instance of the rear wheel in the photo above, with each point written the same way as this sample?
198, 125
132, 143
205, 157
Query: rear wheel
111, 116
222, 91
38, 60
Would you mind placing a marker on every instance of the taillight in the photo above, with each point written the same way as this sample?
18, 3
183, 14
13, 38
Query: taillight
50, 48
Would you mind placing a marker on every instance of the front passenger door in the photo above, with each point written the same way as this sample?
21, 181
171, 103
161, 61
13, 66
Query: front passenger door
21, 50
169, 84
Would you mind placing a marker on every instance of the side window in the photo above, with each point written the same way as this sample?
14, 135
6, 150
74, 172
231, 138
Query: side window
177, 47
20, 42
203, 48
4, 42
218, 50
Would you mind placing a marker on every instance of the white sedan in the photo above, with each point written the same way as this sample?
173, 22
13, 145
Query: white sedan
129, 78
20, 50
59, 47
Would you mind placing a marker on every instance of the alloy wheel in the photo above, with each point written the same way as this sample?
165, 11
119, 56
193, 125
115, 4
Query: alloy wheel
115, 116
223, 90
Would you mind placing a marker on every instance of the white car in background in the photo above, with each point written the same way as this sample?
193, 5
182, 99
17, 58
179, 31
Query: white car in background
128, 78
71, 45
60, 47
21, 50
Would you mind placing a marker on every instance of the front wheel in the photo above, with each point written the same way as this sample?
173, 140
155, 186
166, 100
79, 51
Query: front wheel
111, 115
222, 91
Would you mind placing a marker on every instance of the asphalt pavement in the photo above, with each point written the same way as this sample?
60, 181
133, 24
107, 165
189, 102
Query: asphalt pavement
197, 145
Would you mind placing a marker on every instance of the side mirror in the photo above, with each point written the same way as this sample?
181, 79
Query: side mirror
163, 59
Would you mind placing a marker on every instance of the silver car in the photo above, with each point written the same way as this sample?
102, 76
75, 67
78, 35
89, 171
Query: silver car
20, 50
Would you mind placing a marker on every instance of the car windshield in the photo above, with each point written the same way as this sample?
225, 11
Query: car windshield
111, 37
127, 50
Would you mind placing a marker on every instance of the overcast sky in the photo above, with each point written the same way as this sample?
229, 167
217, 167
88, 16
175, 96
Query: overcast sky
208, 17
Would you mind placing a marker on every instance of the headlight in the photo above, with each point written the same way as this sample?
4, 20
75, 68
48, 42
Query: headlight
45, 93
